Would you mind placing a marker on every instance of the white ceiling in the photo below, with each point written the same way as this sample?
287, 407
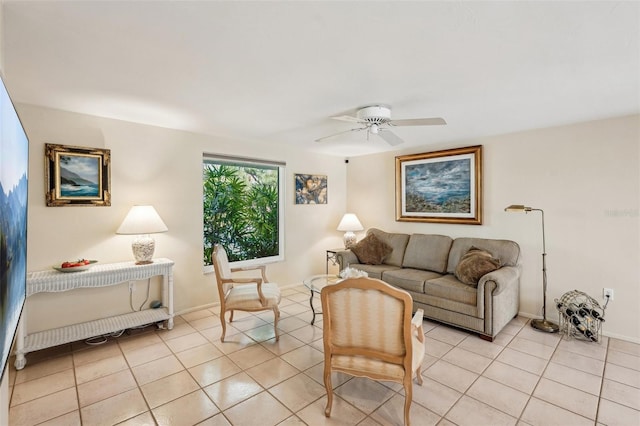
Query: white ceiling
274, 71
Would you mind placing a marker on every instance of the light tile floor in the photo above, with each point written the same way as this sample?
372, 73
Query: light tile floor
186, 376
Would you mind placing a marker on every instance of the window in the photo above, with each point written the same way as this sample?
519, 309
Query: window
243, 206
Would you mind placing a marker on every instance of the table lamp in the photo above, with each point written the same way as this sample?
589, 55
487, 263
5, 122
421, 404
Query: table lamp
142, 221
539, 324
349, 223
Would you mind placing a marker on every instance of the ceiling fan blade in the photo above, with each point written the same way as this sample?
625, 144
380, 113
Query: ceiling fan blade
418, 122
348, 118
390, 137
340, 133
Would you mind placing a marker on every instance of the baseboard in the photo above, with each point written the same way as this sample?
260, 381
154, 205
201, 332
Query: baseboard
215, 304
604, 333
620, 337
197, 308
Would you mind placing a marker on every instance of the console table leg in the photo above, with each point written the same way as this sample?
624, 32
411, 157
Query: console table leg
21, 335
21, 361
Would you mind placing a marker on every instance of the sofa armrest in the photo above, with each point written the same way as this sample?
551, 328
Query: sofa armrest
346, 258
503, 277
498, 298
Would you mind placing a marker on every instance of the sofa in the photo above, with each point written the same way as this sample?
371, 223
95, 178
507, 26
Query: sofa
428, 267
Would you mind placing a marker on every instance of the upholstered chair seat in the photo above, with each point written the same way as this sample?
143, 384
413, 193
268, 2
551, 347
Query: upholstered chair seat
244, 298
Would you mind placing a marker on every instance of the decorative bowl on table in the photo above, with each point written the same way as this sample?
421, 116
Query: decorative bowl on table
75, 266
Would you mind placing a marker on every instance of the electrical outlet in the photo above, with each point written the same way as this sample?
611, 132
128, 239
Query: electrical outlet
132, 286
607, 293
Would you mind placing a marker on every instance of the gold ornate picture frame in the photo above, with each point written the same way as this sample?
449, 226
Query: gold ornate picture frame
77, 176
440, 186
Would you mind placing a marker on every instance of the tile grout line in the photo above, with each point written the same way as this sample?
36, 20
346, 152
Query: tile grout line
556, 349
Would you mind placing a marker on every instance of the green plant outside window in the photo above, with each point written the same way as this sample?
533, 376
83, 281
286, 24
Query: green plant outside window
241, 209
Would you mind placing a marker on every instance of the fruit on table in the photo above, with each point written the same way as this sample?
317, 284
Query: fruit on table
79, 262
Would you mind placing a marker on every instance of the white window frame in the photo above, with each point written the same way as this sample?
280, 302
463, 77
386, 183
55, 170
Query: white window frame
235, 160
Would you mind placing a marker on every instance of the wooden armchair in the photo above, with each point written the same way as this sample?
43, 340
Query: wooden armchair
243, 294
368, 332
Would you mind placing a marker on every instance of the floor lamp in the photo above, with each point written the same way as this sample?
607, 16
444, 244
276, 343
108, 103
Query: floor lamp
539, 324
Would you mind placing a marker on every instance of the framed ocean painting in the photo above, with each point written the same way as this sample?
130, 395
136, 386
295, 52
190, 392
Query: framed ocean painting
77, 176
441, 186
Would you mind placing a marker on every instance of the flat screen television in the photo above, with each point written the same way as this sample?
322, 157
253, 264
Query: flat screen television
14, 164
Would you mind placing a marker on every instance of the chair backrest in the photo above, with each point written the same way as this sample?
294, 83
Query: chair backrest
222, 269
367, 317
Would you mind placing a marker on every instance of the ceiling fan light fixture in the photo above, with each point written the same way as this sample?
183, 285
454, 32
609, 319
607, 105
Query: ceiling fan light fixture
376, 119
374, 114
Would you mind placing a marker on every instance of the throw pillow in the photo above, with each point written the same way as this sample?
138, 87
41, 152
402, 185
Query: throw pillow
474, 264
371, 250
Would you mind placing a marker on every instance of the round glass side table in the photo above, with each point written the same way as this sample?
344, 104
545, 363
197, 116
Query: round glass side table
315, 284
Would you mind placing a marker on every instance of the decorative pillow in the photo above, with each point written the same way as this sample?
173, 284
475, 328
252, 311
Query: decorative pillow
474, 264
371, 250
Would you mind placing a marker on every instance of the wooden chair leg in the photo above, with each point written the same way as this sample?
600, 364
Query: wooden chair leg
419, 375
408, 396
276, 317
231, 316
329, 388
224, 325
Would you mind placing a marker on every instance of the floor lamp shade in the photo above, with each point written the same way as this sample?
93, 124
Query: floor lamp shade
142, 221
539, 324
349, 224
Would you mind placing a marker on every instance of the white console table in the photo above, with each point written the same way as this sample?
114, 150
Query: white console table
100, 275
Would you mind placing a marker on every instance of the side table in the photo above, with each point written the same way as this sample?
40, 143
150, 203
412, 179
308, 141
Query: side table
315, 284
100, 275
331, 257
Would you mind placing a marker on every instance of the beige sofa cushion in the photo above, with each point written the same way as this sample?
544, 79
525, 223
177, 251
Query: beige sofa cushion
448, 287
409, 279
374, 271
398, 243
428, 252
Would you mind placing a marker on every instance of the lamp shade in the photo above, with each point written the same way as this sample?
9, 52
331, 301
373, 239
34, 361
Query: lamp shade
350, 222
517, 208
142, 220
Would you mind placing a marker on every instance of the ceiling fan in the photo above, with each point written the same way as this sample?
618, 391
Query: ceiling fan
376, 120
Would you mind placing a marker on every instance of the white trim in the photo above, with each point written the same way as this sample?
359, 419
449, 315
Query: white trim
606, 334
217, 304
282, 197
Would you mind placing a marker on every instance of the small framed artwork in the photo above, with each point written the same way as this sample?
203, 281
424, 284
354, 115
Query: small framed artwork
441, 186
311, 189
77, 176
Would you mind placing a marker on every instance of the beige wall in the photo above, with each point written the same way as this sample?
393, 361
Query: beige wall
586, 179
161, 167
4, 382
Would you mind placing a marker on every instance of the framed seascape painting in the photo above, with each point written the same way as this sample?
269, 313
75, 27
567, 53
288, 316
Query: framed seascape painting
77, 176
311, 189
441, 186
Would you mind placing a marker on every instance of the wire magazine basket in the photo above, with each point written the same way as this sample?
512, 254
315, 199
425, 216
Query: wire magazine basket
581, 316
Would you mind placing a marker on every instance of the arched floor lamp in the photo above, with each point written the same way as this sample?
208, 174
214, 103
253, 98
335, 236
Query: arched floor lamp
539, 324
